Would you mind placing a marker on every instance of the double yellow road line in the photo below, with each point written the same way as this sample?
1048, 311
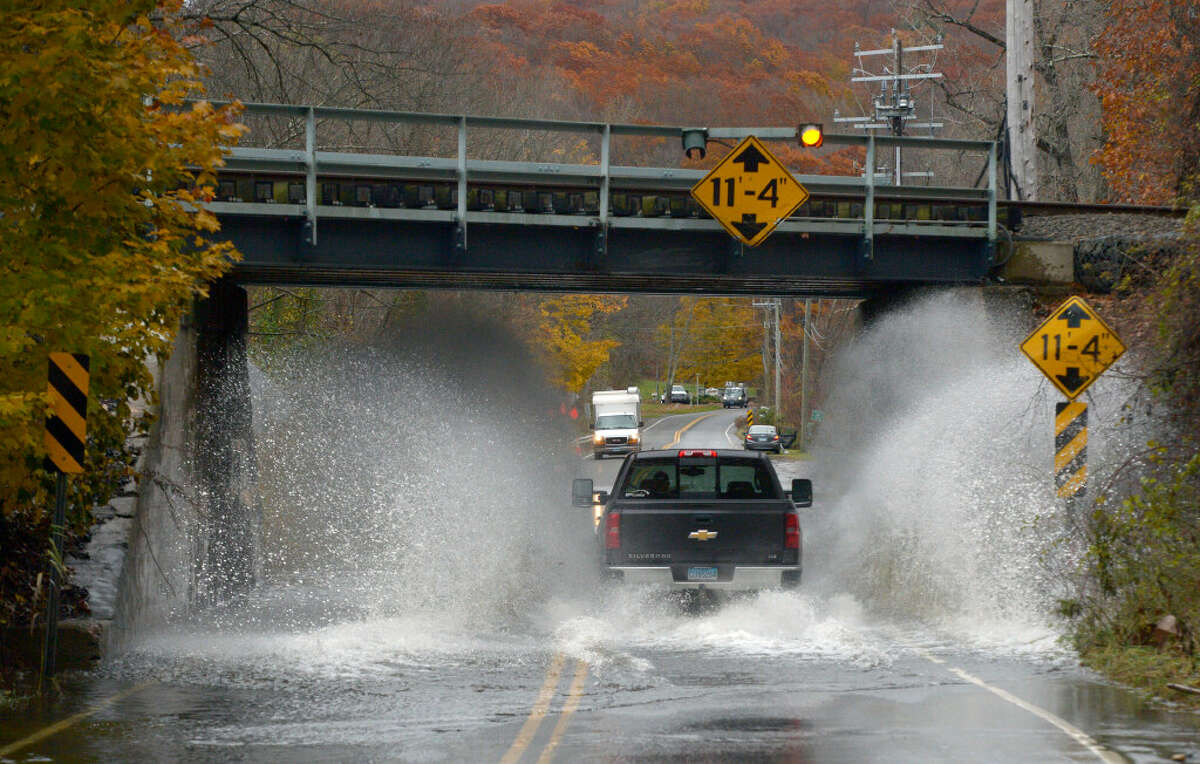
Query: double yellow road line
679, 433
541, 707
70, 721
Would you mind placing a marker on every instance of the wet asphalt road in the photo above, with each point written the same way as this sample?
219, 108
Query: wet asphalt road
617, 676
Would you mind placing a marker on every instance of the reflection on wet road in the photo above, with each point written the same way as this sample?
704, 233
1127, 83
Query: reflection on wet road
623, 676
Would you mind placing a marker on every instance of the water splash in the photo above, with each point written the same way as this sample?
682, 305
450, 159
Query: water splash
414, 496
935, 463
420, 474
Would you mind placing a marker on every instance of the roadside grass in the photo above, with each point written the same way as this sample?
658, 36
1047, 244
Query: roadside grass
1147, 669
659, 410
792, 455
648, 388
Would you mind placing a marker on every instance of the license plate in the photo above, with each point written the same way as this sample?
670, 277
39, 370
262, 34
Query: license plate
702, 574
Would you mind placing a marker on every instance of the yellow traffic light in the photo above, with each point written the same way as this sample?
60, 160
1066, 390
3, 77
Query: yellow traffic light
811, 135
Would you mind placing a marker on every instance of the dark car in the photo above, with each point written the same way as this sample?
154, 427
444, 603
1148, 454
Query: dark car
679, 394
698, 519
763, 437
734, 396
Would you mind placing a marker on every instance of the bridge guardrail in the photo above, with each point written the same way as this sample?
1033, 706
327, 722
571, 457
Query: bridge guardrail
604, 180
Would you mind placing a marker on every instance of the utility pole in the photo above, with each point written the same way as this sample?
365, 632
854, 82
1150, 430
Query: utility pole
770, 328
804, 381
1022, 143
778, 305
765, 347
895, 106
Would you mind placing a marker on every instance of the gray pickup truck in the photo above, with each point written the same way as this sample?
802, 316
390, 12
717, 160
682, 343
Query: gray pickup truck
699, 519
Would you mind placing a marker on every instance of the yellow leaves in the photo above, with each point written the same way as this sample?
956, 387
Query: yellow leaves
718, 338
99, 255
206, 221
563, 337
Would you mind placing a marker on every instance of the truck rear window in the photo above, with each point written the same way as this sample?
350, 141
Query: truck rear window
697, 478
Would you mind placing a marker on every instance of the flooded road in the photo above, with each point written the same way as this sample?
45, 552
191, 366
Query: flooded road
626, 677
431, 601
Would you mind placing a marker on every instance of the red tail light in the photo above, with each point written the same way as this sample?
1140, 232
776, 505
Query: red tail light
612, 530
697, 452
791, 531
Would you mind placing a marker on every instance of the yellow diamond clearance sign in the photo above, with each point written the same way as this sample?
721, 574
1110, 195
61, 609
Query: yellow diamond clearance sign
749, 192
1072, 347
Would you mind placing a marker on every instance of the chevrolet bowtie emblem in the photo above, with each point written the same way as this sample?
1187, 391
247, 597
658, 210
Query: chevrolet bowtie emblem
702, 535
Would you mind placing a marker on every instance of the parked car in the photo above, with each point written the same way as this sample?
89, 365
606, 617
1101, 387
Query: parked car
763, 437
679, 394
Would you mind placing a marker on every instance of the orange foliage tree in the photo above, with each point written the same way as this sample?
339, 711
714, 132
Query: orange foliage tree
690, 61
1149, 86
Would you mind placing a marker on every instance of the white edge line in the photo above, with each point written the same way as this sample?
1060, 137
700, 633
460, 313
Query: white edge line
728, 437
1078, 735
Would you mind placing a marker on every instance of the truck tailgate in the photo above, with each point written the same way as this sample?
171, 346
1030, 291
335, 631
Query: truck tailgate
704, 532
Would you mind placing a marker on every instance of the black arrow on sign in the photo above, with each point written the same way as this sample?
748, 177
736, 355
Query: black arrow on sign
1073, 315
751, 158
1071, 380
749, 225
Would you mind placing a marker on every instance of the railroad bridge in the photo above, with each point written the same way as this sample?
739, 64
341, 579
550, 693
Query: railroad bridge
308, 216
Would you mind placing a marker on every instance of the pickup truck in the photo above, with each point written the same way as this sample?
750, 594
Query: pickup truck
699, 519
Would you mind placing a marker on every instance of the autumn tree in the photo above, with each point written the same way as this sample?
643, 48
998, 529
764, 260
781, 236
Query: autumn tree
1149, 85
561, 334
724, 339
102, 244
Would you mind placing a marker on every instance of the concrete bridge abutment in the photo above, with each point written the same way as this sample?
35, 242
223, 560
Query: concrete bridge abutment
194, 541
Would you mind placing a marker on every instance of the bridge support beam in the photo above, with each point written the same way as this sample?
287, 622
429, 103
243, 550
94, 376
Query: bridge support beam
224, 457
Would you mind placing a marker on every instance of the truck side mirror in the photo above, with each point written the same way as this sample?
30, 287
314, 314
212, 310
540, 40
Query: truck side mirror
581, 492
641, 423
801, 492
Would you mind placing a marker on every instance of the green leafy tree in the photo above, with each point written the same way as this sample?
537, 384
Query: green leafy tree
102, 243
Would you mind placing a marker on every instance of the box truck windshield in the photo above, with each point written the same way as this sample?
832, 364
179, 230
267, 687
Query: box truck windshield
616, 422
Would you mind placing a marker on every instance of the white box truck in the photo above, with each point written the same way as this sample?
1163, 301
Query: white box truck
617, 422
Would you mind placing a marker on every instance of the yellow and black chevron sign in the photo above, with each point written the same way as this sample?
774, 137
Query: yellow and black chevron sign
749, 418
1070, 449
66, 429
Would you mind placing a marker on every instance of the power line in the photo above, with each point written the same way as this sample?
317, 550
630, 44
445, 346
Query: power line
895, 106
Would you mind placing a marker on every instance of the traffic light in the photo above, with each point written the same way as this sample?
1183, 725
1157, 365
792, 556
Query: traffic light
811, 135
695, 142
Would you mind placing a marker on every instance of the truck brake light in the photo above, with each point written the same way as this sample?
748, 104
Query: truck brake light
695, 452
612, 530
791, 531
